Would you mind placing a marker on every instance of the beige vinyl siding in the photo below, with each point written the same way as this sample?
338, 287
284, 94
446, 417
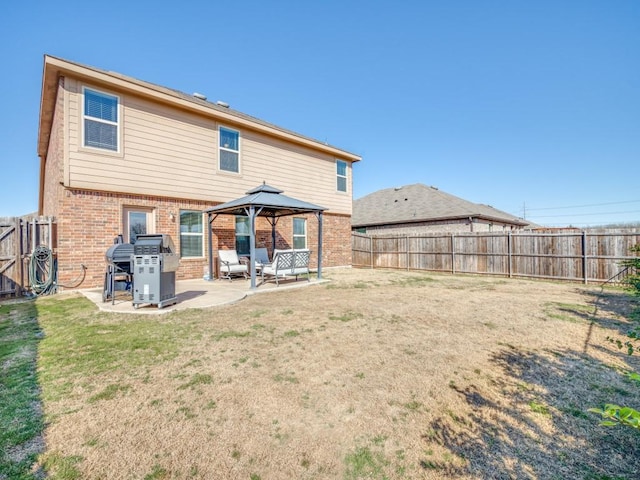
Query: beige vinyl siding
170, 152
301, 172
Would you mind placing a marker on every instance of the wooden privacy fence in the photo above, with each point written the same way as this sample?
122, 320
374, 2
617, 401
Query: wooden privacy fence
587, 256
18, 239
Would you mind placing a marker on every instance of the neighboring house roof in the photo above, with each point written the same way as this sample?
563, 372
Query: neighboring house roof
421, 203
55, 67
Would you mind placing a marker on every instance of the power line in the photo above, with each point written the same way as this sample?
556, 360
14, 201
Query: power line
592, 224
584, 206
584, 214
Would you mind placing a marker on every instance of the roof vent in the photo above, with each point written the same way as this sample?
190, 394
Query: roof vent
397, 188
200, 96
222, 104
435, 188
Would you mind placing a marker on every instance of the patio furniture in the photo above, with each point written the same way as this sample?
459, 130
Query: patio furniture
262, 258
287, 263
230, 264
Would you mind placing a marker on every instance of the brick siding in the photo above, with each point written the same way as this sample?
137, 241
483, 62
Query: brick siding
88, 222
444, 226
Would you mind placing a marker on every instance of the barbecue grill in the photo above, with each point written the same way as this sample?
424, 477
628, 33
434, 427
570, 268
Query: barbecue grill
154, 270
119, 272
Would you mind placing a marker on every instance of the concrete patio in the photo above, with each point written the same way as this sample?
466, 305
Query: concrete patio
198, 293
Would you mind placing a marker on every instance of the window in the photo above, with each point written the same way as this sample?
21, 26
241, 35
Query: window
229, 151
137, 221
100, 120
242, 236
299, 233
191, 234
341, 171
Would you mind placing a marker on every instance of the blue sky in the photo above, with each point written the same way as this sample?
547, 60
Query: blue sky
530, 107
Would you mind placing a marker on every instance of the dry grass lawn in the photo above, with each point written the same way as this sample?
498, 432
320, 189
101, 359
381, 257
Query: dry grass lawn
378, 374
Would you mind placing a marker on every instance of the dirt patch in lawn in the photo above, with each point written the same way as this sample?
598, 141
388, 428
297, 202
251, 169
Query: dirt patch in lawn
378, 374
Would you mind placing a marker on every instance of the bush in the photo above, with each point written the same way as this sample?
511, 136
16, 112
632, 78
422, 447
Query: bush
613, 414
633, 264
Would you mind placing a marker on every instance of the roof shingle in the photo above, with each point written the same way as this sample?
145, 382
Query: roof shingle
420, 203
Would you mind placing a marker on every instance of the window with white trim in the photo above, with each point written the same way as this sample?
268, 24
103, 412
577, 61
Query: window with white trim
191, 234
299, 233
341, 175
229, 150
100, 120
243, 238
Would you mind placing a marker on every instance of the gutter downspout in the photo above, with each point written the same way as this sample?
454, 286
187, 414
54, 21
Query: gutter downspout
41, 191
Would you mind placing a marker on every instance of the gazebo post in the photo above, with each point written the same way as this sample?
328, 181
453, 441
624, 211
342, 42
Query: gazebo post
319, 215
210, 241
273, 234
252, 245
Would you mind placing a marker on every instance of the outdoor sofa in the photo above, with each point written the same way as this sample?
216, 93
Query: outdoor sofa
287, 263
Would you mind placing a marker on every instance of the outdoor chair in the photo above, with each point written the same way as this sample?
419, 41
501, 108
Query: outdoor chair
230, 264
262, 258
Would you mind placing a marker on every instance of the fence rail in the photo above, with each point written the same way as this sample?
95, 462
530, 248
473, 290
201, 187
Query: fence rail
586, 256
18, 239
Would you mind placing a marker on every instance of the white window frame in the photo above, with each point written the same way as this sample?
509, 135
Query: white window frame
226, 149
191, 234
304, 236
345, 176
117, 123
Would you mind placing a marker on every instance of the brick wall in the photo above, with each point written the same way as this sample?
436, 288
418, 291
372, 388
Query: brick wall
336, 237
88, 221
444, 226
54, 163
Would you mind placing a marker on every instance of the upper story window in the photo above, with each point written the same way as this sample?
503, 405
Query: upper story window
100, 116
341, 175
191, 234
299, 233
229, 151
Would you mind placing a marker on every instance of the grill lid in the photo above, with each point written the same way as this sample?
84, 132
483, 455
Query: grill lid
119, 253
153, 244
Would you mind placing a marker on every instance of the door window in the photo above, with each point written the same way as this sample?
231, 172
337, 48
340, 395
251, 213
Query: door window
137, 221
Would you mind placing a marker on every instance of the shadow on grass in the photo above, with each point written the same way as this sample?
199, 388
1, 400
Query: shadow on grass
21, 419
531, 421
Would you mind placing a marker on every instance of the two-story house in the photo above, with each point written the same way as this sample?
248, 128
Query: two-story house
123, 156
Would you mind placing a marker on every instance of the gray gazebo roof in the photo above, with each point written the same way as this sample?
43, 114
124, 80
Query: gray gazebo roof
265, 201
269, 200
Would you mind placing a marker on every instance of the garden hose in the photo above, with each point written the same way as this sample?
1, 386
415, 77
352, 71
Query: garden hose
43, 271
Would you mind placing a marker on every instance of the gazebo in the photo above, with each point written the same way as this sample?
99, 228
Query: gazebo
264, 201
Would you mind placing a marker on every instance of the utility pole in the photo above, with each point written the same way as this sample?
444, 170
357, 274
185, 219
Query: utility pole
524, 210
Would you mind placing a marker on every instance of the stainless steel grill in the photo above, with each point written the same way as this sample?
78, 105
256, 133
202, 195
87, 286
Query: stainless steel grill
154, 265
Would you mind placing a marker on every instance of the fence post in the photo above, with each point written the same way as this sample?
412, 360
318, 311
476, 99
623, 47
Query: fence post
371, 251
453, 254
19, 260
584, 256
406, 240
50, 227
509, 240
34, 233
